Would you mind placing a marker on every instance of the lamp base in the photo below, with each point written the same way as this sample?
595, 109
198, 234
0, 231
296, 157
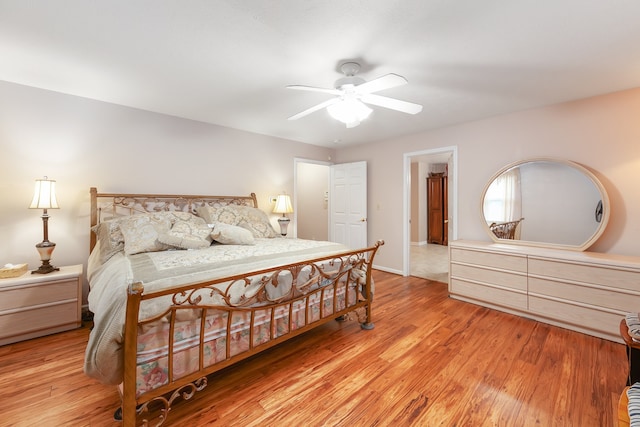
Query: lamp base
284, 223
45, 268
45, 249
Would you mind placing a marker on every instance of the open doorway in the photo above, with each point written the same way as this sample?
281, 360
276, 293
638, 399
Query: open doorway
311, 187
426, 252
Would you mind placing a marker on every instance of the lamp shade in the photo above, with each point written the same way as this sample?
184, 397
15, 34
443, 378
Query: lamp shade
44, 195
283, 204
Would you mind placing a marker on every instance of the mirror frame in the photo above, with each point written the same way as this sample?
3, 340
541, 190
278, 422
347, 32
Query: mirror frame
596, 182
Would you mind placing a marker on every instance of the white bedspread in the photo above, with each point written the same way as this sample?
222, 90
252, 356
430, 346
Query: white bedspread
161, 270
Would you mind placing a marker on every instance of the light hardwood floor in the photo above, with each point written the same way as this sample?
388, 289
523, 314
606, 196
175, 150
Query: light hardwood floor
434, 362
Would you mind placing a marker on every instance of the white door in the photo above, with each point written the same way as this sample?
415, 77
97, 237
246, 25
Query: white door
348, 204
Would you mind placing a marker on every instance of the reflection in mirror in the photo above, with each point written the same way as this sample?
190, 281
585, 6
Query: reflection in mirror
545, 202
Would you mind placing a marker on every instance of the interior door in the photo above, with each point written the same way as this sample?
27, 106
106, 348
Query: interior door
437, 228
348, 204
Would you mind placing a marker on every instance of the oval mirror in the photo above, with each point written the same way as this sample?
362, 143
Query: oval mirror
545, 202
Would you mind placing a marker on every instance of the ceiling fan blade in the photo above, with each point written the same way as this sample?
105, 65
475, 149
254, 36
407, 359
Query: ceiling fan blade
385, 82
391, 103
314, 108
315, 89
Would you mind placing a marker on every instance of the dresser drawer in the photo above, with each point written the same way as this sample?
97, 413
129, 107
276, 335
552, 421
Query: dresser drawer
585, 294
491, 294
584, 318
495, 260
36, 319
600, 275
488, 276
39, 293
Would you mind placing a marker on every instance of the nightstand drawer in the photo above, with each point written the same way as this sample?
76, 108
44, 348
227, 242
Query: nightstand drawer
34, 305
38, 293
38, 318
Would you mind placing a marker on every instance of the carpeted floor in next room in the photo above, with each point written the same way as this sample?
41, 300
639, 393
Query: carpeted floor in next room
430, 261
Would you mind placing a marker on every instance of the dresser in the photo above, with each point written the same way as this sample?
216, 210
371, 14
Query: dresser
34, 305
583, 291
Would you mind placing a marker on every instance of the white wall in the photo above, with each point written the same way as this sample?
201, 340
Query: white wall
419, 174
83, 143
415, 203
601, 133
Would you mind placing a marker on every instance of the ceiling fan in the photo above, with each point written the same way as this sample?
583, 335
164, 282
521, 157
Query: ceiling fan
352, 93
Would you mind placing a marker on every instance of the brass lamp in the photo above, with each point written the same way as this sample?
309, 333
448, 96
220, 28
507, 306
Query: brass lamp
44, 197
283, 206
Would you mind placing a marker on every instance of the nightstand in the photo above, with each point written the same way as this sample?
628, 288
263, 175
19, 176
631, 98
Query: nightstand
34, 305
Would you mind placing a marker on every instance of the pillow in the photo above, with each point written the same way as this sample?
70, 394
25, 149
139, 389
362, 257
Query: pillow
174, 216
192, 233
633, 405
253, 219
231, 234
141, 232
258, 223
110, 239
230, 214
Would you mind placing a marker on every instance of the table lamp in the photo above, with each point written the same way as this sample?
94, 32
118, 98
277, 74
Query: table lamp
283, 206
44, 197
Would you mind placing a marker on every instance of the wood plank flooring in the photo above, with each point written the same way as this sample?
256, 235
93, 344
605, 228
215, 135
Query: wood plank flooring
434, 362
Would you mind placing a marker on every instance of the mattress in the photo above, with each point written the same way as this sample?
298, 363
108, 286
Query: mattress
171, 269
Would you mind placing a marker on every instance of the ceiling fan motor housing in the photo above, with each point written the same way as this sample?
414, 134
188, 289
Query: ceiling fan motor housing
349, 69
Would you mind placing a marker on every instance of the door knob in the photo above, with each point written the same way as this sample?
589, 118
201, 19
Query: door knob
363, 219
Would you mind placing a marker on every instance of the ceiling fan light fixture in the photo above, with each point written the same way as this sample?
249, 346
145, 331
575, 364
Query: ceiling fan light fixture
349, 111
353, 94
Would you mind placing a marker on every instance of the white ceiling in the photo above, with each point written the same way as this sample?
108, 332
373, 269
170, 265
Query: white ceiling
227, 62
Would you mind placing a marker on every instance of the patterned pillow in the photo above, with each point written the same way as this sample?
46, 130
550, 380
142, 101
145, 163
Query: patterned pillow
231, 235
141, 232
190, 233
258, 223
633, 406
110, 239
253, 219
230, 214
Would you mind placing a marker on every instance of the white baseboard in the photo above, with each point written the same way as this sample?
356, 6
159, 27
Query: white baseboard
387, 270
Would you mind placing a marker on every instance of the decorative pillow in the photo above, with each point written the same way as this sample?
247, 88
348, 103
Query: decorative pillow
110, 239
230, 214
192, 233
174, 216
633, 405
231, 234
141, 232
253, 219
258, 223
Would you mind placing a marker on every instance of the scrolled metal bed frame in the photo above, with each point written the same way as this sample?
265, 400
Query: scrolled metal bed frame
341, 280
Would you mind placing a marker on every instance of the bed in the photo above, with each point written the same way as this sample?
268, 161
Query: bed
183, 286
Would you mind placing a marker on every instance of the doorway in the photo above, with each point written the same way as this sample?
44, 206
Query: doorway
330, 202
421, 258
311, 199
